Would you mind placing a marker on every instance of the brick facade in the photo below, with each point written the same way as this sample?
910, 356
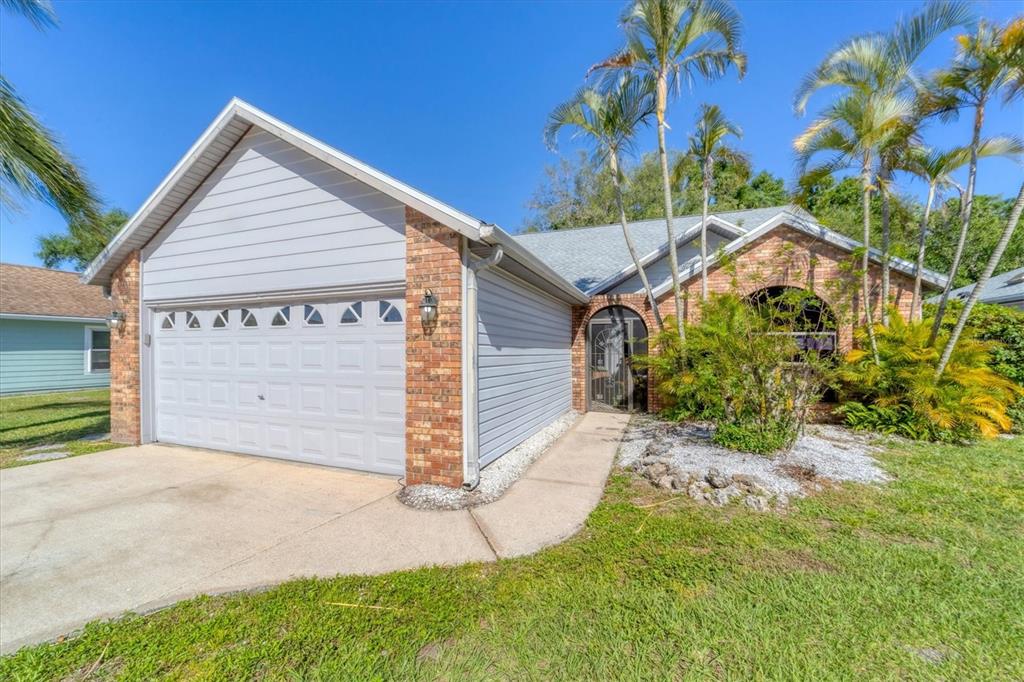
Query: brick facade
125, 405
433, 375
783, 257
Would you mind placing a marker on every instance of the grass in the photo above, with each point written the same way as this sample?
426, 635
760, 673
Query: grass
27, 421
854, 583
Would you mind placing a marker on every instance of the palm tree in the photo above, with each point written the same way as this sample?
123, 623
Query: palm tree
32, 163
979, 286
882, 66
850, 132
987, 62
609, 120
936, 168
673, 42
705, 145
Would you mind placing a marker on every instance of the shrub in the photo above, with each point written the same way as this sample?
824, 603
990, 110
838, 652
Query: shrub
901, 394
1005, 327
740, 368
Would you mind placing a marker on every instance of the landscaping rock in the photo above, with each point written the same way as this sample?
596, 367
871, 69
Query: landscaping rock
757, 503
656, 471
678, 482
665, 482
717, 479
719, 497
45, 448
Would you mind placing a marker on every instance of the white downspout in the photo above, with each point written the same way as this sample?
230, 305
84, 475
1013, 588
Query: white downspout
471, 469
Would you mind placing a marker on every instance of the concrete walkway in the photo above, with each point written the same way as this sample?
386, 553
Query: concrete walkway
138, 528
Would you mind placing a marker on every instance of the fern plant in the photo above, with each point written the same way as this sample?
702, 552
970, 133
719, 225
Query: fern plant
900, 393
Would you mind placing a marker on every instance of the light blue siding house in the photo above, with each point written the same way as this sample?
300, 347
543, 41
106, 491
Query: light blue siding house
53, 332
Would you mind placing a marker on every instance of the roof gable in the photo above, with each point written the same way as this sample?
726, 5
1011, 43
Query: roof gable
211, 148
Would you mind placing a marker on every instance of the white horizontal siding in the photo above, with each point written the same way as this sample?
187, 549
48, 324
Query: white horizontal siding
524, 371
271, 217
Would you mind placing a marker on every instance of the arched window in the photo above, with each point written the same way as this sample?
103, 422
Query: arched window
281, 317
353, 314
221, 321
799, 313
312, 317
248, 319
168, 322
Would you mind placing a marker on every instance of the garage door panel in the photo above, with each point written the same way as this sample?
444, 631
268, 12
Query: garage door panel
310, 389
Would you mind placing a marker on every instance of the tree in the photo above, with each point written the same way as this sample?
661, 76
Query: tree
936, 168
82, 242
705, 147
872, 115
32, 162
609, 121
986, 63
979, 286
672, 42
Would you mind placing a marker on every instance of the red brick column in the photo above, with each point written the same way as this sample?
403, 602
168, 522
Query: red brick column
125, 406
433, 366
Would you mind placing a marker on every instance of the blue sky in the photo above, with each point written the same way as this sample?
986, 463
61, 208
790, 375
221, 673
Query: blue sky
449, 97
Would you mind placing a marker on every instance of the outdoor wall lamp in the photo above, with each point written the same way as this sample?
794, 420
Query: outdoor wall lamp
428, 307
115, 319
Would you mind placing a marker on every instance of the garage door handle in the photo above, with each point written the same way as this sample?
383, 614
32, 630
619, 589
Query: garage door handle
260, 396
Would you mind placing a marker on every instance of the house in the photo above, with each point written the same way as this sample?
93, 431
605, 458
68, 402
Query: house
284, 299
53, 331
1005, 289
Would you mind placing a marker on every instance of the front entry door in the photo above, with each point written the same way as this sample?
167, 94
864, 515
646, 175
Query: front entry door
615, 335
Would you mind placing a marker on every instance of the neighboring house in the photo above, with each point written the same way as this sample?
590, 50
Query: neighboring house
1005, 289
53, 331
284, 299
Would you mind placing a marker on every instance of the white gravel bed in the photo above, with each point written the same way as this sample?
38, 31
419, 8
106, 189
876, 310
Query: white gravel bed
496, 478
825, 452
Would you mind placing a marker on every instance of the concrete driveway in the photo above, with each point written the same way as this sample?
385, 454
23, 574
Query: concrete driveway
137, 528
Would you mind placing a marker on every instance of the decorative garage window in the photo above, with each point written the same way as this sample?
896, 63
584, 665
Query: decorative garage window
168, 322
248, 319
221, 321
97, 349
312, 316
191, 321
389, 314
281, 317
353, 314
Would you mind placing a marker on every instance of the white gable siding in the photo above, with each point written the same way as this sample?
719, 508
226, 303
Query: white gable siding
525, 373
659, 272
273, 218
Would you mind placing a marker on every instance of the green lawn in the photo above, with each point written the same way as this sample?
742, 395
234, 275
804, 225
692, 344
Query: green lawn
28, 421
855, 583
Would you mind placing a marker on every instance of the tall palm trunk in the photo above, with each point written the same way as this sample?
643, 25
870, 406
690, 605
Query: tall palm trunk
666, 188
990, 267
869, 318
966, 204
883, 181
613, 161
704, 231
919, 264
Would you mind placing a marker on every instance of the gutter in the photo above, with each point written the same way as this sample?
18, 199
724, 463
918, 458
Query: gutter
471, 404
495, 236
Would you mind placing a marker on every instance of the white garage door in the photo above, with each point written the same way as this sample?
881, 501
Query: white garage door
319, 382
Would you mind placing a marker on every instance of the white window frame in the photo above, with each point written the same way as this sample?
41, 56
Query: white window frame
88, 349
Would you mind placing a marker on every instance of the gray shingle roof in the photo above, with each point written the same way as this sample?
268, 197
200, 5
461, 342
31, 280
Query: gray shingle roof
588, 255
1003, 288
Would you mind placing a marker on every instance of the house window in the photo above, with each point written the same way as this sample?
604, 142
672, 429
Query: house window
191, 321
353, 314
281, 317
248, 319
389, 313
168, 322
312, 316
221, 321
97, 349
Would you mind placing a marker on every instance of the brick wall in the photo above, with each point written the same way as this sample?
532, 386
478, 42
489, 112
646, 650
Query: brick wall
783, 257
433, 402
125, 403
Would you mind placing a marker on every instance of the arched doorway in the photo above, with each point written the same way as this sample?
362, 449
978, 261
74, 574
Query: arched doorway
799, 313
614, 336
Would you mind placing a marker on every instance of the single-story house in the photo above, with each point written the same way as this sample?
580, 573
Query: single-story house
1004, 289
53, 331
284, 299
